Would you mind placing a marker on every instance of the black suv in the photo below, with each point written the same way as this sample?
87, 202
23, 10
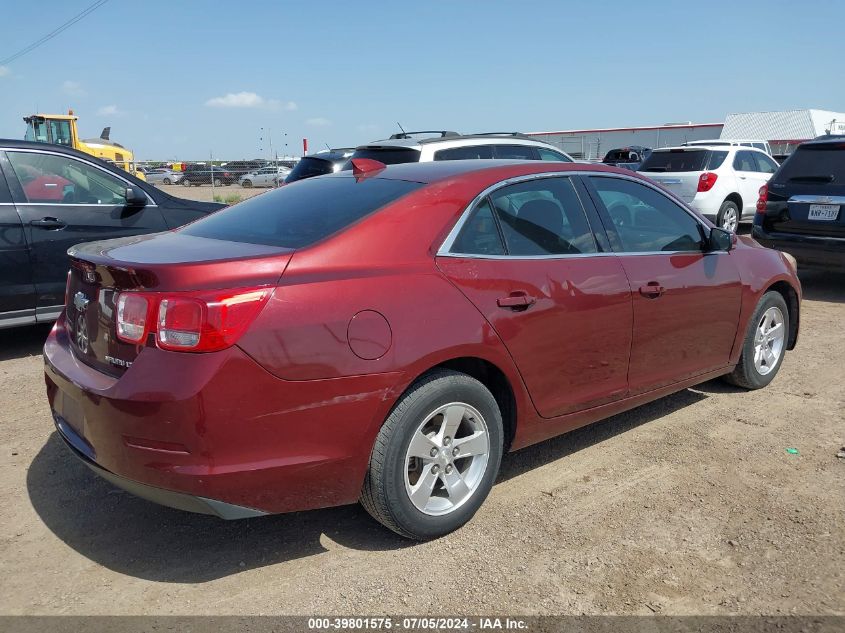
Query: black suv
802, 209
325, 162
240, 168
204, 175
53, 197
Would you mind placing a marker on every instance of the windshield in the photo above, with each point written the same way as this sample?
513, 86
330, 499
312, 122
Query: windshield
822, 162
386, 155
302, 213
677, 160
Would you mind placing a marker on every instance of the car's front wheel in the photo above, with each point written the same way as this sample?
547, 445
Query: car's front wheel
217, 182
246, 183
436, 457
765, 344
186, 182
166, 181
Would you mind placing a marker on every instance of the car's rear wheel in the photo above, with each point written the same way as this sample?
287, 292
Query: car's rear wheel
186, 182
436, 457
246, 183
765, 344
166, 181
217, 182
728, 217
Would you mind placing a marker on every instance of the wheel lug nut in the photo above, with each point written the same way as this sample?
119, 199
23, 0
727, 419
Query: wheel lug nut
435, 468
455, 451
447, 440
433, 452
449, 469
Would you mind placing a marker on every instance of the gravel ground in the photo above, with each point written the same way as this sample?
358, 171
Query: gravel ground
689, 505
206, 193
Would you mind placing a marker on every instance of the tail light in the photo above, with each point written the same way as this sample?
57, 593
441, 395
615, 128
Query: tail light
133, 311
204, 321
763, 199
706, 181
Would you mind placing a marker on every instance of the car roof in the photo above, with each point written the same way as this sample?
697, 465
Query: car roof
491, 138
435, 171
828, 139
332, 156
717, 148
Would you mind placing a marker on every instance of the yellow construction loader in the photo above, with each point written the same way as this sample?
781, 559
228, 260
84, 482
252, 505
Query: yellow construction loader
61, 129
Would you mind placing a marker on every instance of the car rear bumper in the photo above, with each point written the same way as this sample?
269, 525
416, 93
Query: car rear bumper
216, 433
810, 251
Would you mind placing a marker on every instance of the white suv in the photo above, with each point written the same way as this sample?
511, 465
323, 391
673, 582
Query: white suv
443, 145
720, 182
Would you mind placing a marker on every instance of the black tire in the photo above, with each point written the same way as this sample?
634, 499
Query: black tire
186, 182
384, 495
166, 181
217, 182
246, 184
728, 207
745, 374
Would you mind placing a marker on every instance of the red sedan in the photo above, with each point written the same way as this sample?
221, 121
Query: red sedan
385, 334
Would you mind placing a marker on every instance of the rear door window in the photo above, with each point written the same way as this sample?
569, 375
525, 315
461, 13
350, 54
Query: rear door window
744, 161
297, 215
516, 152
465, 153
543, 217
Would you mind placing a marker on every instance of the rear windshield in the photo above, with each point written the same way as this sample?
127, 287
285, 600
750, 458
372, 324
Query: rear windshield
683, 160
308, 167
386, 155
822, 163
300, 214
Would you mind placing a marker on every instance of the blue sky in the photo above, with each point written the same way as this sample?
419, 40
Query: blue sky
179, 79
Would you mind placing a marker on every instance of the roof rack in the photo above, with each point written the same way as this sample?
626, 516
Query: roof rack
407, 135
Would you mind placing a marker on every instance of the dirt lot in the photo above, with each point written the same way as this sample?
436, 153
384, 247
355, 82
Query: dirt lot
206, 193
689, 505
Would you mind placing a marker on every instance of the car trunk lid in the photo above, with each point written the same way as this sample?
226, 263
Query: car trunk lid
162, 262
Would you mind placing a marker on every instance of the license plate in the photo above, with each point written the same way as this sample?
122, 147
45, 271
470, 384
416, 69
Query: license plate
823, 212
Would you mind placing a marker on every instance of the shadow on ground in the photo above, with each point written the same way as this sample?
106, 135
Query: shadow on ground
137, 538
821, 285
19, 342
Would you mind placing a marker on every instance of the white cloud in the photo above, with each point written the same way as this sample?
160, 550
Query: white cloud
249, 100
318, 122
73, 88
5, 70
108, 110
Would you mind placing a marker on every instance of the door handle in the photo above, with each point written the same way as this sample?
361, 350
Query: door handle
743, 177
518, 301
49, 223
652, 290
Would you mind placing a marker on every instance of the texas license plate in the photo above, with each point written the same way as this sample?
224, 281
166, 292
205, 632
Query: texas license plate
823, 212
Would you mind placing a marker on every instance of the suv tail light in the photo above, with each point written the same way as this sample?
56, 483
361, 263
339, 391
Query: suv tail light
706, 181
205, 321
763, 199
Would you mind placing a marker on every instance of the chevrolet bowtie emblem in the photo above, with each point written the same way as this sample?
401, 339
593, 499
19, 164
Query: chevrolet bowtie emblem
80, 301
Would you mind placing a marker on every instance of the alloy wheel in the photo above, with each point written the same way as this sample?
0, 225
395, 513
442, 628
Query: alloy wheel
730, 220
446, 459
768, 340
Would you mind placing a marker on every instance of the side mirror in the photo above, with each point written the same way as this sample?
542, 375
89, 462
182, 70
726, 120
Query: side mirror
721, 240
135, 197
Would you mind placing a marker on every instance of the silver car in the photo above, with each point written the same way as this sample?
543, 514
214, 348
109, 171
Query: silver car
264, 177
164, 177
